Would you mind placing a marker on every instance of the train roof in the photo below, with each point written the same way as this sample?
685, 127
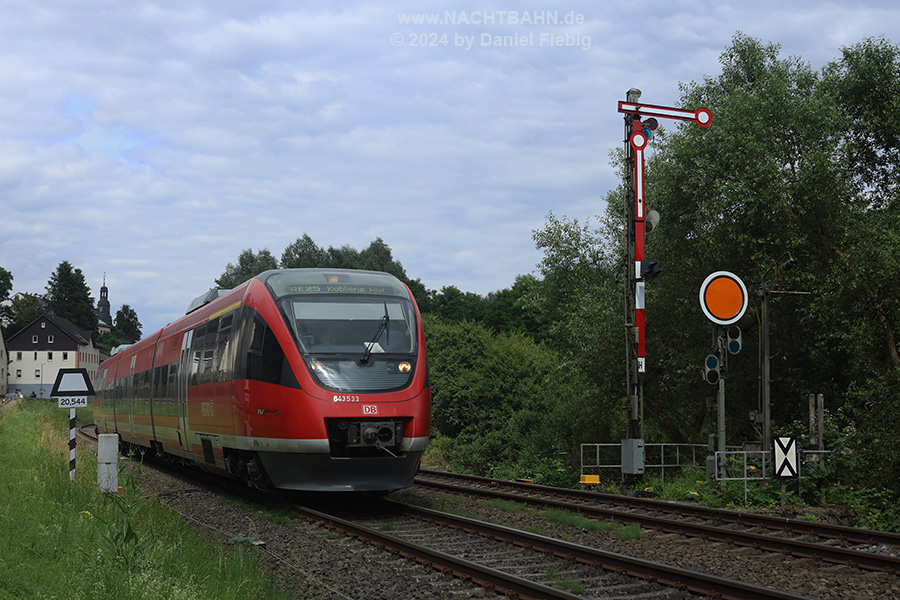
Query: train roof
285, 281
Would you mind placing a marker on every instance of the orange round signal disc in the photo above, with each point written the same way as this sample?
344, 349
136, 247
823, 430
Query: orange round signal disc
723, 298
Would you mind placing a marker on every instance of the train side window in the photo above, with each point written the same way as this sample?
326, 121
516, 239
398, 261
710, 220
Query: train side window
159, 383
266, 360
224, 353
172, 389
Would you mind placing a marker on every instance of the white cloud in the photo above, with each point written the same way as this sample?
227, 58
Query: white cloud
154, 141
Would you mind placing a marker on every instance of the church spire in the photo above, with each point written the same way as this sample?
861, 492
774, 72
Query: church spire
103, 304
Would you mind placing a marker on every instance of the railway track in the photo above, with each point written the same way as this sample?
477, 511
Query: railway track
524, 565
764, 550
844, 535
413, 548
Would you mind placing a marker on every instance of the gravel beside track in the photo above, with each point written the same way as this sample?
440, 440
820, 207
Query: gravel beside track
807, 577
310, 561
313, 562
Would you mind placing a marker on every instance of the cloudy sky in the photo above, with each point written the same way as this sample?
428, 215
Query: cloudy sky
153, 141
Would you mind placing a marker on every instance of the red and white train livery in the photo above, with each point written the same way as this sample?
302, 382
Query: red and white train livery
302, 379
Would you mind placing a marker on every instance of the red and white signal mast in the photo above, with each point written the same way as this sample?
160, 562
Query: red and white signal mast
640, 121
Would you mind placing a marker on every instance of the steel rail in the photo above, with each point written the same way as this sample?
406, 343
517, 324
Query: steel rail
863, 560
487, 577
676, 577
839, 532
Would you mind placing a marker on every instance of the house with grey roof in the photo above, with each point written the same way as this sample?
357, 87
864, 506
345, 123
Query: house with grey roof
43, 347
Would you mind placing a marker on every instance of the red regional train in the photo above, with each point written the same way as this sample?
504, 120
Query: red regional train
298, 379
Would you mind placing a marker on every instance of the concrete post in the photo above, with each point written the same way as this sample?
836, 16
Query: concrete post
107, 463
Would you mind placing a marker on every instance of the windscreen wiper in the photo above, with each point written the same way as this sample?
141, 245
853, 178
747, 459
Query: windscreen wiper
382, 327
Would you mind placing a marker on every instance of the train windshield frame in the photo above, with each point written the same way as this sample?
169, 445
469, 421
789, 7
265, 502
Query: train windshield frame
356, 331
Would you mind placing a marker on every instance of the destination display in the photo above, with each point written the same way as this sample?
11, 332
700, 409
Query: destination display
336, 282
336, 289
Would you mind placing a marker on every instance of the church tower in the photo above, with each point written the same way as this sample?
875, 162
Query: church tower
103, 307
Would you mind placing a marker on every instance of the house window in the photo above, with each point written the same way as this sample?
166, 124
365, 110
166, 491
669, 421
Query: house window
18, 373
34, 339
37, 373
19, 356
65, 356
49, 339
49, 356
43, 325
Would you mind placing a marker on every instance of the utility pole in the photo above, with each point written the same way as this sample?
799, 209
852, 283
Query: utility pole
765, 290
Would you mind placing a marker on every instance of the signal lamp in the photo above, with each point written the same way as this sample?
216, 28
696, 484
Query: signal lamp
734, 339
711, 372
649, 126
651, 221
649, 269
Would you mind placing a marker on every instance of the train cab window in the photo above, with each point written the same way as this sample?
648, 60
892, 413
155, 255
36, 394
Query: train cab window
355, 343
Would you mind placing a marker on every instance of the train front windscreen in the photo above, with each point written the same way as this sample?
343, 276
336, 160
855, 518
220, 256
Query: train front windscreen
356, 331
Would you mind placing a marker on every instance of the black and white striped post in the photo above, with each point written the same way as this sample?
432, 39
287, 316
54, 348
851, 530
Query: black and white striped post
71, 390
72, 441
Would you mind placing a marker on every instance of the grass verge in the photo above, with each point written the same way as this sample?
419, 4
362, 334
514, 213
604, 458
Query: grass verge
63, 539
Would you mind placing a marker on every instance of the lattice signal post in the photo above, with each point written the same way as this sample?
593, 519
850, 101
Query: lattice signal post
640, 121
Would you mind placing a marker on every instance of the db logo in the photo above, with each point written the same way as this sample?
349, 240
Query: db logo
370, 409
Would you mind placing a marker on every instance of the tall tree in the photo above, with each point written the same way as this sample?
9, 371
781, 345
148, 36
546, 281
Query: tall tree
249, 265
578, 306
865, 82
127, 323
6, 279
303, 253
69, 296
796, 161
453, 305
378, 257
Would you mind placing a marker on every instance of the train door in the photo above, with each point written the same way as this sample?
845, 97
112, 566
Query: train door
155, 386
181, 395
129, 396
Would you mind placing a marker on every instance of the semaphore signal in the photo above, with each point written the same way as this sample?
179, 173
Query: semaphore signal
640, 122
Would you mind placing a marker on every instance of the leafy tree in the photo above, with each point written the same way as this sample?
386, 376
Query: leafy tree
249, 265
112, 339
505, 310
865, 82
578, 302
6, 279
378, 257
127, 324
302, 254
863, 310
69, 296
345, 257
25, 309
503, 405
451, 304
758, 183
795, 161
